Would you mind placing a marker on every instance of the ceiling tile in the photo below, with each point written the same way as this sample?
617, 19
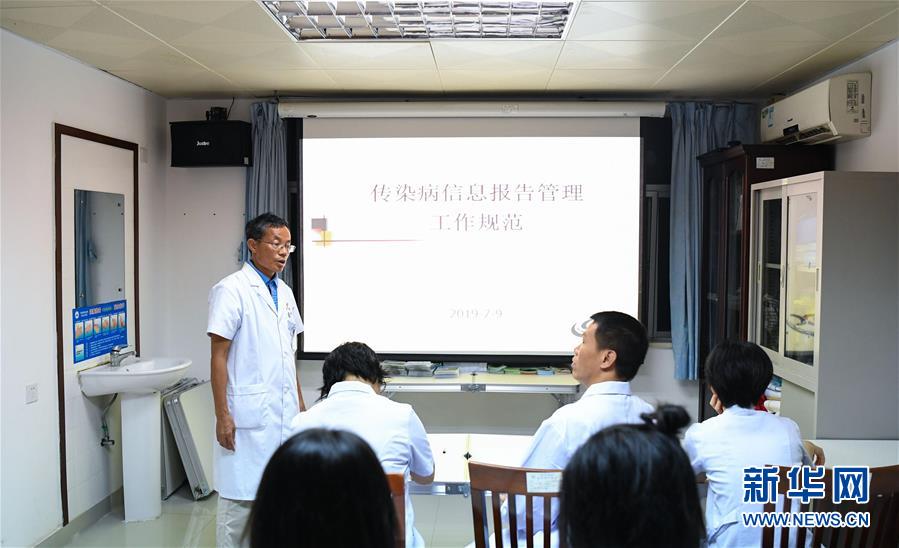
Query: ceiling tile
371, 55
496, 54
495, 81
784, 20
42, 24
822, 63
5, 4
688, 20
603, 80
283, 81
182, 82
733, 80
387, 80
171, 20
885, 30
762, 57
249, 22
126, 56
265, 55
621, 54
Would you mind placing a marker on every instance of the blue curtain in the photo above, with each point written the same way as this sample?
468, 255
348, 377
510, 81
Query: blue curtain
267, 178
84, 249
697, 128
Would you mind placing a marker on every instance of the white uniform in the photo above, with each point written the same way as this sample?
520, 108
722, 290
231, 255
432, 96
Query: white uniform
392, 429
603, 404
262, 378
721, 447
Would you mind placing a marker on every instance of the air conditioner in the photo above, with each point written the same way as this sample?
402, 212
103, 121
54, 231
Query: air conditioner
838, 108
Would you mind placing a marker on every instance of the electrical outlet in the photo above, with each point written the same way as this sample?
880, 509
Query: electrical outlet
30, 393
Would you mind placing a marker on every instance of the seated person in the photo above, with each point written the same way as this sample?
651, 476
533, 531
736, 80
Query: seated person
610, 353
739, 437
323, 489
350, 400
632, 485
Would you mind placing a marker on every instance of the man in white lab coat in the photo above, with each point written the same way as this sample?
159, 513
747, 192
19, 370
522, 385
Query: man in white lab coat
611, 352
351, 401
253, 325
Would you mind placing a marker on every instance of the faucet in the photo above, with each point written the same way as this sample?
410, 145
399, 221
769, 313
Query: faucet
117, 354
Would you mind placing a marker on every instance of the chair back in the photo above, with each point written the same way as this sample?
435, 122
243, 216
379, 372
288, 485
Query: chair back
882, 507
397, 483
530, 483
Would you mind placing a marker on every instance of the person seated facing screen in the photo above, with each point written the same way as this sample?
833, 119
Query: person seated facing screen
323, 489
632, 485
740, 437
350, 400
611, 352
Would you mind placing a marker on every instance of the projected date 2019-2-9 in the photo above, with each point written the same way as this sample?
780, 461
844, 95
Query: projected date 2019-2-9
475, 313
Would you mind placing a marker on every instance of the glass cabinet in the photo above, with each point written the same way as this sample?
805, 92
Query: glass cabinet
823, 291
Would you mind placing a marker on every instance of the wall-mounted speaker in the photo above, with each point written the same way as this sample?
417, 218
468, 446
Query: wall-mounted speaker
213, 143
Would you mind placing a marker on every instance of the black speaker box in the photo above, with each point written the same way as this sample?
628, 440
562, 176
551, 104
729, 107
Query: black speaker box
211, 143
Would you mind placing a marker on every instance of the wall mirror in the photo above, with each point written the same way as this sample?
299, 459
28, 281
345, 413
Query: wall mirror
99, 247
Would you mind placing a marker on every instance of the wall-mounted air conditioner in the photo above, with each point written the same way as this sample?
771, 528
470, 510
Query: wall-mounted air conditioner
838, 108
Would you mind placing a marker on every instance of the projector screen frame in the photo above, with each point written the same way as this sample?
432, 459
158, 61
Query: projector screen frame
556, 360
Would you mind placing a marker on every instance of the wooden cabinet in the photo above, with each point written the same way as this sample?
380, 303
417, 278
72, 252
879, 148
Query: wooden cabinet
727, 177
824, 288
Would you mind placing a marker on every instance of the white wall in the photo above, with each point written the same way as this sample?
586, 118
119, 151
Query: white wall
880, 151
37, 88
203, 222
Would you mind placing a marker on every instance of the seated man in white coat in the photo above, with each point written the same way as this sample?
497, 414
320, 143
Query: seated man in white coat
740, 437
350, 400
611, 352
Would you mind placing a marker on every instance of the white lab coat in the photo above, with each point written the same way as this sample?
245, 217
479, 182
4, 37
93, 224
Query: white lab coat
262, 379
721, 447
392, 429
555, 442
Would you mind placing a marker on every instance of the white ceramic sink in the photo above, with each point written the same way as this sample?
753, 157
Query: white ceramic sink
134, 376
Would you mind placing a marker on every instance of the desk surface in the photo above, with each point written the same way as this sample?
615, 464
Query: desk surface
859, 452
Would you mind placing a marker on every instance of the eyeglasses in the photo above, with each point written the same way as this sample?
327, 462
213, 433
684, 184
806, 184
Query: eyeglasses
278, 247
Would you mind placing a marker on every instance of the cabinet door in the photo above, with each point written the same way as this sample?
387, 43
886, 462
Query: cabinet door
768, 268
801, 276
710, 285
733, 282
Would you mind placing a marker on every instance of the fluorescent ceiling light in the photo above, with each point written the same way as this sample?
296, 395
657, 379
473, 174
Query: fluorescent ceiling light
421, 19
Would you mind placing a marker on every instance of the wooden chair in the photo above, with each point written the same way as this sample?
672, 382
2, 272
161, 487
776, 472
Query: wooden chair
883, 507
510, 481
397, 483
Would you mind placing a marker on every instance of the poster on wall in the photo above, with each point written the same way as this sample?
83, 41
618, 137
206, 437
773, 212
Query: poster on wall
98, 328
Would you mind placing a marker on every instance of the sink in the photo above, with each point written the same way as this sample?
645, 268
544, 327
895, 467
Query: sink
138, 382
134, 376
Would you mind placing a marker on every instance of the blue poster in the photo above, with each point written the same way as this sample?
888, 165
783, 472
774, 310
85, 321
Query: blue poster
98, 328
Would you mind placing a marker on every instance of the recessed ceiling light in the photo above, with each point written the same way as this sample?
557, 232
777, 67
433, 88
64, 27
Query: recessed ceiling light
421, 19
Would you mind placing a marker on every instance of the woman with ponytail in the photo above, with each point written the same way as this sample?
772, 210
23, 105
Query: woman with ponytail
632, 485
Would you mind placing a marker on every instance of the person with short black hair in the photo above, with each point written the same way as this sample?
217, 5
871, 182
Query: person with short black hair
323, 489
253, 326
632, 485
611, 351
350, 400
739, 437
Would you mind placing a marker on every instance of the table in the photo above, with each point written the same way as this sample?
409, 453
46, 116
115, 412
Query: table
453, 451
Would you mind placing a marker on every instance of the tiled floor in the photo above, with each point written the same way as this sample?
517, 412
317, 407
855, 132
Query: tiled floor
444, 522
